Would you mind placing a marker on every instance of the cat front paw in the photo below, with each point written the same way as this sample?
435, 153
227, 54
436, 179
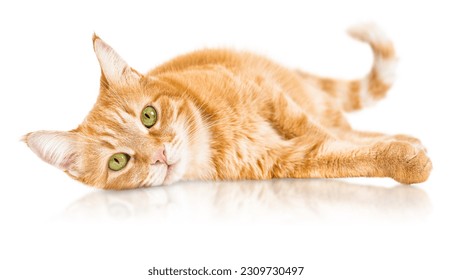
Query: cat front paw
407, 163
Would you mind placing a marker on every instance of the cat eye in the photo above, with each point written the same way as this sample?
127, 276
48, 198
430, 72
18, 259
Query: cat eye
118, 161
149, 116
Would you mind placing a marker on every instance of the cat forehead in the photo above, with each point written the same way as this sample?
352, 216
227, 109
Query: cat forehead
114, 120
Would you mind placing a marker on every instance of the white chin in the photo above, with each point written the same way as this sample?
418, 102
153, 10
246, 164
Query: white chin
170, 179
173, 175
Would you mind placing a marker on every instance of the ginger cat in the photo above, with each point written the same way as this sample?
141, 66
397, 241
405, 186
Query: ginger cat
227, 115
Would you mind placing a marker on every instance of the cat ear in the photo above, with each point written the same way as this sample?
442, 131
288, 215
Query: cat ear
114, 68
58, 148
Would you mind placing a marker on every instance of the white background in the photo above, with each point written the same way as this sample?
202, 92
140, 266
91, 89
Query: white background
56, 228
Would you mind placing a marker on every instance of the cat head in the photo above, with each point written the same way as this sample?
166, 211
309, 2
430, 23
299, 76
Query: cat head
139, 132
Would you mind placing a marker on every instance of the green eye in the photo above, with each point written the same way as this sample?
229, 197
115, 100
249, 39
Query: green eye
149, 116
118, 161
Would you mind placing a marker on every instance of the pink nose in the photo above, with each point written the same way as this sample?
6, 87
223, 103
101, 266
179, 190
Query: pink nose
159, 156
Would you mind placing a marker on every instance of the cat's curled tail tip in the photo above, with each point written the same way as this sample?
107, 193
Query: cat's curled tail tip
383, 72
369, 32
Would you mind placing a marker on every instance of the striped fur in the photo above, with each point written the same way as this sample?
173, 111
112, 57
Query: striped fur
357, 94
227, 115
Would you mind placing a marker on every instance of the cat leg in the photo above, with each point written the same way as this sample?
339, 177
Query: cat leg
400, 160
314, 151
365, 137
291, 121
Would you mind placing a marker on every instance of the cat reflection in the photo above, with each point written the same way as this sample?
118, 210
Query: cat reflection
275, 200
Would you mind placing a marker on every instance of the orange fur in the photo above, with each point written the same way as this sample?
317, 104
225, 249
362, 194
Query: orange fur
227, 115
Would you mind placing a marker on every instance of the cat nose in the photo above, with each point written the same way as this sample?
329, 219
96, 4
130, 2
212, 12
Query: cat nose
159, 156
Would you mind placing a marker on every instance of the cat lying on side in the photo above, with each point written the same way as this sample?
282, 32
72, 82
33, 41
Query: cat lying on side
228, 115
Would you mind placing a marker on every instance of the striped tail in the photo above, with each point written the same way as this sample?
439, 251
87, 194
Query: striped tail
357, 94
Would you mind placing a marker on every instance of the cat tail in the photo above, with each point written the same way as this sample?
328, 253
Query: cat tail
357, 94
